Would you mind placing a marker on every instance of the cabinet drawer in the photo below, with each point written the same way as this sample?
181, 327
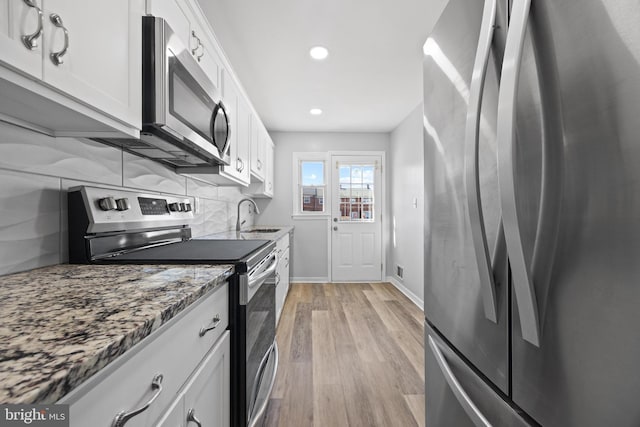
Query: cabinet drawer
174, 351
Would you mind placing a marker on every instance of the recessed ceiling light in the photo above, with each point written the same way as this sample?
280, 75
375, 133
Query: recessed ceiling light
319, 53
315, 111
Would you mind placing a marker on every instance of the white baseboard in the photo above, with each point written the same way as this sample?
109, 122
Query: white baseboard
413, 297
309, 280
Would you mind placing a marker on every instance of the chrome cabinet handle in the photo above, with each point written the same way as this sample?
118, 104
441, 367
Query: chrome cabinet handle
121, 419
335, 228
239, 164
522, 280
199, 57
463, 398
204, 330
56, 57
191, 417
270, 185
199, 43
472, 172
30, 41
259, 165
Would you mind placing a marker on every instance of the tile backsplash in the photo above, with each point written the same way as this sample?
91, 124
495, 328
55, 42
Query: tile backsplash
36, 171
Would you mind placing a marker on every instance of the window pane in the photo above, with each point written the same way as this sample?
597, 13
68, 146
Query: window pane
356, 190
367, 174
312, 199
312, 173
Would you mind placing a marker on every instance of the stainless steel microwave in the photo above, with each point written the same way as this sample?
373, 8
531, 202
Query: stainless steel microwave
184, 121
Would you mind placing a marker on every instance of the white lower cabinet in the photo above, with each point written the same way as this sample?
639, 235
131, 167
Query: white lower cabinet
204, 400
282, 274
159, 369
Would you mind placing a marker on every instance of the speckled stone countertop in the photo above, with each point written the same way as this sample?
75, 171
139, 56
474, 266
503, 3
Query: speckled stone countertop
59, 325
250, 234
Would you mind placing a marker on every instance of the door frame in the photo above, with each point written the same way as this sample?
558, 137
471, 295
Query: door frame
383, 208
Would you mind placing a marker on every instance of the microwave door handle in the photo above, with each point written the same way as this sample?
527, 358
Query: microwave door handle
522, 280
472, 172
225, 145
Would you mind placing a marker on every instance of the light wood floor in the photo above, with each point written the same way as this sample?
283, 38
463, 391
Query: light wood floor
350, 355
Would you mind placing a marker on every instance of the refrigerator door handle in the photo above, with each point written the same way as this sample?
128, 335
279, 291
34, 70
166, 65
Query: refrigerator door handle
472, 172
522, 280
463, 398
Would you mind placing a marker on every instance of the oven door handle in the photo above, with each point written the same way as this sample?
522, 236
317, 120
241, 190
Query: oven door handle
256, 281
257, 415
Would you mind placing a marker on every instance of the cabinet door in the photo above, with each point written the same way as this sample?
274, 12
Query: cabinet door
206, 397
244, 139
18, 19
257, 148
230, 100
182, 17
268, 190
93, 53
238, 169
282, 282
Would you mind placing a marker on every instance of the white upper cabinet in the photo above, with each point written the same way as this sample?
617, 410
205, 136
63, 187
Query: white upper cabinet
238, 169
268, 187
72, 68
264, 188
186, 21
92, 51
258, 149
21, 28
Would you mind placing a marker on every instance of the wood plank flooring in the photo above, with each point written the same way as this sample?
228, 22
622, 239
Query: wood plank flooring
350, 355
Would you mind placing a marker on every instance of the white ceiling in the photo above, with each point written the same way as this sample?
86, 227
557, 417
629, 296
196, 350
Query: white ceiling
371, 80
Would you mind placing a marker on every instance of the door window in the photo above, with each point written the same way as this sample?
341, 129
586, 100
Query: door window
356, 189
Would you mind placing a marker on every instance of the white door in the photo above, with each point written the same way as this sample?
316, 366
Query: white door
356, 243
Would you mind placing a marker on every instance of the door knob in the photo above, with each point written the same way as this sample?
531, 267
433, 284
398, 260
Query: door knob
335, 228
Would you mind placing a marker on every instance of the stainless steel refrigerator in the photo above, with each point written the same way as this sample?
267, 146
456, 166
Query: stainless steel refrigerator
532, 213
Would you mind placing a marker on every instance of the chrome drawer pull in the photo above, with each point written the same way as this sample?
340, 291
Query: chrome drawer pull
31, 41
121, 419
191, 417
56, 57
216, 320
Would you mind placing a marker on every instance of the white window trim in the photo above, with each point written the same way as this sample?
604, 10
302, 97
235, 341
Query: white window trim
295, 171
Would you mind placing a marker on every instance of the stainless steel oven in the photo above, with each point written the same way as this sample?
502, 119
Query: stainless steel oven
126, 227
258, 311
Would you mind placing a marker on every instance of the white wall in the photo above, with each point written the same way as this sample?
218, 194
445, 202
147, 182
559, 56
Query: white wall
311, 236
407, 220
36, 171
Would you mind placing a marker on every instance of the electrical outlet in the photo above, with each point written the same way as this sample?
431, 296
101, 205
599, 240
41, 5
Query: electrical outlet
399, 271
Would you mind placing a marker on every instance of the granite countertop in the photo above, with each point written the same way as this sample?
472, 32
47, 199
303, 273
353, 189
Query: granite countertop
244, 235
59, 325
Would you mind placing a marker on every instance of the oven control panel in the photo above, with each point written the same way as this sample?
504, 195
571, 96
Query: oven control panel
115, 209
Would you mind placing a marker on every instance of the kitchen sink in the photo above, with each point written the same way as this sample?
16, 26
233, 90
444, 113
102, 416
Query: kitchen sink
262, 230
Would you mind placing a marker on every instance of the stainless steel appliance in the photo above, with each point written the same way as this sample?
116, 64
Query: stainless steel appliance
184, 121
532, 199
118, 226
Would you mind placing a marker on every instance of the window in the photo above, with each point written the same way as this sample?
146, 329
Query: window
310, 184
356, 192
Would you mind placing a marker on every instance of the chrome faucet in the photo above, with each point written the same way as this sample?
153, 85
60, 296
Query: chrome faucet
238, 225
